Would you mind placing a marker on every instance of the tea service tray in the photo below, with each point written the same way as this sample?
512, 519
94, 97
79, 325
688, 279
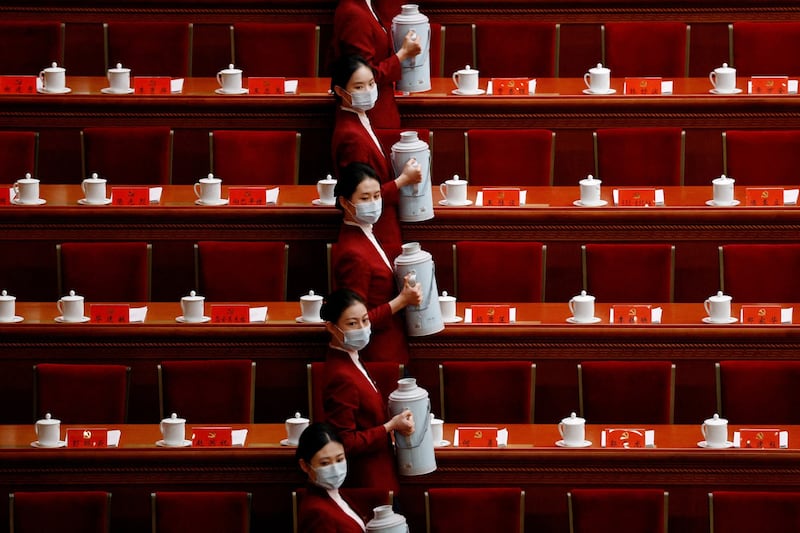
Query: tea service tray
61, 444
729, 320
237, 91
594, 320
62, 320
453, 320
477, 92
600, 203
563, 444
181, 319
84, 201
65, 90
717, 91
14, 320
301, 320
318, 201
109, 90
704, 444
445, 202
163, 444
40, 201
221, 201
589, 91
715, 204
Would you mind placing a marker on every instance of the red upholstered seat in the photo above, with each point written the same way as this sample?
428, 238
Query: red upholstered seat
285, 49
139, 155
150, 48
475, 509
201, 512
208, 391
510, 157
760, 273
626, 392
734, 512
18, 154
255, 157
629, 273
65, 512
507, 49
646, 48
604, 510
29, 46
82, 394
105, 271
759, 392
762, 157
765, 48
646, 157
484, 271
241, 271
506, 391
362, 500
438, 32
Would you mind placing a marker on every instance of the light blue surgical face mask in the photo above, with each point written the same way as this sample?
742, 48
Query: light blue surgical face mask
331, 476
368, 212
356, 339
364, 100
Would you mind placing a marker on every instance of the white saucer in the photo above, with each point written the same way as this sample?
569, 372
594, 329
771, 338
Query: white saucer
594, 320
221, 201
445, 202
589, 91
454, 320
704, 444
109, 90
238, 91
442, 444
61, 444
285, 442
735, 91
300, 320
65, 90
715, 204
183, 320
729, 320
40, 201
563, 444
163, 444
600, 203
84, 201
14, 320
477, 92
61, 320
317, 201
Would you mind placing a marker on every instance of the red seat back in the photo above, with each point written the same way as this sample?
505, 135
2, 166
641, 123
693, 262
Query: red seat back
511, 157
65, 512
81, 393
646, 157
201, 512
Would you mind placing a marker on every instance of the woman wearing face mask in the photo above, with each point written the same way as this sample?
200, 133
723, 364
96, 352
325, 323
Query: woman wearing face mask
353, 405
354, 140
361, 264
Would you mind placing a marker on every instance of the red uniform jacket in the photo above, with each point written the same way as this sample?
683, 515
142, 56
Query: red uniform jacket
358, 266
357, 413
318, 513
356, 32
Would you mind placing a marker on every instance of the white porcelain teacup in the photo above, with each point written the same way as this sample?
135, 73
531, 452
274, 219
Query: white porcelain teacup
715, 431
598, 79
48, 431
94, 189
723, 190
325, 189
294, 428
437, 430
447, 304
119, 79
582, 307
7, 306
26, 190
454, 191
71, 307
590, 190
193, 307
209, 189
723, 79
466, 80
230, 79
54, 78
310, 305
173, 430
718, 307
573, 430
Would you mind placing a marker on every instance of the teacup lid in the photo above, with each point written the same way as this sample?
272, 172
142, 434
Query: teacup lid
573, 419
720, 297
4, 296
230, 70
193, 297
328, 179
715, 421
724, 69
589, 180
28, 179
95, 178
54, 67
583, 297
385, 517
119, 68
71, 297
48, 420
297, 419
599, 69
311, 297
446, 297
173, 419
722, 180
210, 179
467, 70
455, 180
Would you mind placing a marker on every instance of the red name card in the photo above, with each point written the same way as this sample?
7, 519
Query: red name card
212, 437
501, 196
769, 84
636, 197
247, 195
110, 313
264, 86
477, 437
5, 196
510, 86
625, 438
87, 438
761, 196
760, 438
647, 85
490, 314
632, 314
230, 314
17, 84
131, 195
761, 314
149, 85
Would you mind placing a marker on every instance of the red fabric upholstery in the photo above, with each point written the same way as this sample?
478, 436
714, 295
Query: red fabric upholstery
766, 48
761, 273
648, 157
65, 512
604, 510
437, 53
515, 49
506, 392
17, 154
763, 157
201, 512
362, 500
510, 157
383, 373
256, 157
209, 391
733, 512
627, 392
630, 273
284, 49
106, 271
488, 271
475, 509
82, 394
29, 46
759, 392
240, 271
129, 155
150, 48
646, 49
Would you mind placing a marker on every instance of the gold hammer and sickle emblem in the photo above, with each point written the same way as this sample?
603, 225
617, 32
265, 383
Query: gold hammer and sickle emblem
87, 434
479, 434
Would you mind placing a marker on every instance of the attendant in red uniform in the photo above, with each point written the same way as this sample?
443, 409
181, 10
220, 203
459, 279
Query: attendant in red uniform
357, 30
353, 84
353, 405
362, 265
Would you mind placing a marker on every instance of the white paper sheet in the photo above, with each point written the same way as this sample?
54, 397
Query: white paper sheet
137, 314
258, 314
